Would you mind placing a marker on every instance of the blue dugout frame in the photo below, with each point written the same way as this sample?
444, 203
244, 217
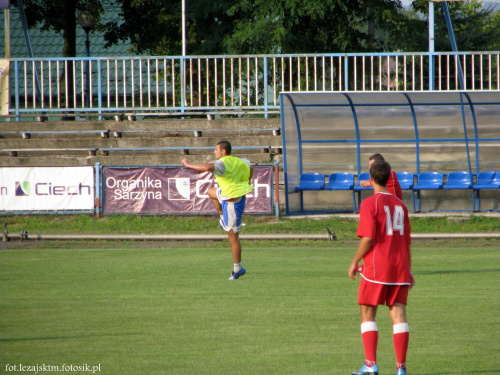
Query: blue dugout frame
465, 99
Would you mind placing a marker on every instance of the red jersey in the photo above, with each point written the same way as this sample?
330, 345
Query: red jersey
393, 185
384, 218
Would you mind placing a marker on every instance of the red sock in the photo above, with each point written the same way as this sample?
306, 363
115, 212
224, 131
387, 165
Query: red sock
401, 338
369, 333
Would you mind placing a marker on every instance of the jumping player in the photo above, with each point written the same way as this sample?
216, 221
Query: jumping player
384, 246
392, 184
233, 176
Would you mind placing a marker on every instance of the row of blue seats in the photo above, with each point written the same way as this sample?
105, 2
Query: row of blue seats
425, 181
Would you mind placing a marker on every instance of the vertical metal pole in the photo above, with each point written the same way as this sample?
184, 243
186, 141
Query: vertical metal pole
25, 27
183, 16
183, 62
276, 190
451, 33
7, 51
431, 46
97, 171
7, 33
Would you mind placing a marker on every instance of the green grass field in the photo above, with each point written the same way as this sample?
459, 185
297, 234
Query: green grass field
135, 310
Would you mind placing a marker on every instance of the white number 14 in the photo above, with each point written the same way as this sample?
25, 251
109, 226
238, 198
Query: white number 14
397, 222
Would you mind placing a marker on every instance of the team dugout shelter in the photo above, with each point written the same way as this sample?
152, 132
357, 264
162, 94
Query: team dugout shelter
431, 139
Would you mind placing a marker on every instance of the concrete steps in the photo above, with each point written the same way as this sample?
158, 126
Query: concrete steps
152, 124
154, 142
130, 142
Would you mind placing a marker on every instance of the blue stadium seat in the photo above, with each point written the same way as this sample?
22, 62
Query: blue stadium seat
460, 180
428, 181
342, 181
406, 182
485, 180
362, 177
311, 181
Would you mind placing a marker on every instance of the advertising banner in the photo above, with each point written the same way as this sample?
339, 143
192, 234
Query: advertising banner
47, 188
174, 190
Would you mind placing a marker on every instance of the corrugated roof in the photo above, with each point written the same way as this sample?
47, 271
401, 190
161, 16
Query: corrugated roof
50, 43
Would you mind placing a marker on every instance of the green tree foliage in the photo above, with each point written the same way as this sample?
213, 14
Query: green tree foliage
151, 26
61, 16
155, 26
272, 26
258, 26
475, 28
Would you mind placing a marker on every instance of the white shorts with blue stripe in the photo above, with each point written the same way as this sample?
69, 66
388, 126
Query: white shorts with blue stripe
232, 213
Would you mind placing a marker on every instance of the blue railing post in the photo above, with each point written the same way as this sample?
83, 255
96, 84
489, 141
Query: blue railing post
16, 85
99, 88
266, 89
346, 73
183, 84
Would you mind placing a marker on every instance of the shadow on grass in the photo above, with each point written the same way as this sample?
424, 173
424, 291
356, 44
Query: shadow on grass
444, 272
67, 337
461, 372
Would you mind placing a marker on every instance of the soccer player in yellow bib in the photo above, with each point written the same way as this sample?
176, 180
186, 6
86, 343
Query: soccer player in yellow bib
233, 175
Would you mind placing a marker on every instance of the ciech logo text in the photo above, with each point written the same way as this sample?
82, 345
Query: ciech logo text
24, 188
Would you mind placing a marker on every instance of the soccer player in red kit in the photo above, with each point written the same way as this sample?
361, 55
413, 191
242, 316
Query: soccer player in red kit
384, 246
392, 186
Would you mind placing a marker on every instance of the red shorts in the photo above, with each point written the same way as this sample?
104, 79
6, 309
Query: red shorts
373, 294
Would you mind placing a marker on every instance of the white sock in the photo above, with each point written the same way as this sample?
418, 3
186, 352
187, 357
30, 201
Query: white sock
237, 267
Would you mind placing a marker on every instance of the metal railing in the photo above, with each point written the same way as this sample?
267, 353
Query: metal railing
221, 84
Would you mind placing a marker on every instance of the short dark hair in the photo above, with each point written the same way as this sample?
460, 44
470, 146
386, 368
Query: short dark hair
380, 171
225, 145
376, 157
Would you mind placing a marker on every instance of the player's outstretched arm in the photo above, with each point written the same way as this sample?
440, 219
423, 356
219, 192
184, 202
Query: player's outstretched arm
199, 167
